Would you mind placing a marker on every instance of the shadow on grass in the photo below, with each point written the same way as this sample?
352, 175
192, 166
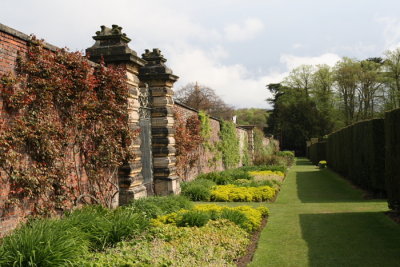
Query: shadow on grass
351, 239
316, 185
322, 186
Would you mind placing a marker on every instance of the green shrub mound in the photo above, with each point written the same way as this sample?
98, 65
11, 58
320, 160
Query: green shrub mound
233, 185
198, 190
103, 227
280, 168
392, 171
358, 153
152, 207
285, 158
218, 243
246, 217
43, 242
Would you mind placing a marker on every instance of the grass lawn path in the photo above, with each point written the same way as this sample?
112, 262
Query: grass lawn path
319, 219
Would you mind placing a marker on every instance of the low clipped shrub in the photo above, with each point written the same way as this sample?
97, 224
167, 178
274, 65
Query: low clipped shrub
285, 158
151, 207
44, 242
254, 183
274, 168
218, 243
238, 174
234, 193
266, 173
322, 164
288, 156
250, 219
198, 190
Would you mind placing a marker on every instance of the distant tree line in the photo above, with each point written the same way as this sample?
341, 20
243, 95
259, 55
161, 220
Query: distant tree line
313, 101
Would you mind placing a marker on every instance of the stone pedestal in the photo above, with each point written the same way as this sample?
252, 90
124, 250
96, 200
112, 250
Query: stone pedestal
112, 47
160, 80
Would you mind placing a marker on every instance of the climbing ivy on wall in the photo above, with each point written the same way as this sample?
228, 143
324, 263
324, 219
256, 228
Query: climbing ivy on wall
229, 144
66, 122
188, 138
205, 125
246, 154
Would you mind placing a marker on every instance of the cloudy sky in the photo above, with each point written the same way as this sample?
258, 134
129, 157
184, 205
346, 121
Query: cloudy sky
235, 47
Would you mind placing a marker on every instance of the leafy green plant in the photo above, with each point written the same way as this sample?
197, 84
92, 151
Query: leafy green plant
219, 178
152, 207
125, 224
218, 243
103, 227
229, 145
94, 222
205, 125
193, 218
198, 189
44, 242
287, 155
235, 216
252, 183
280, 168
250, 221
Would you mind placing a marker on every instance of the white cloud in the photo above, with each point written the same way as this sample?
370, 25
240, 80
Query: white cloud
297, 45
234, 83
391, 32
292, 61
245, 31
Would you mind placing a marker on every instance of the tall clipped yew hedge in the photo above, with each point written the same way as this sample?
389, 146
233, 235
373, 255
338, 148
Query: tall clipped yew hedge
317, 152
358, 152
392, 138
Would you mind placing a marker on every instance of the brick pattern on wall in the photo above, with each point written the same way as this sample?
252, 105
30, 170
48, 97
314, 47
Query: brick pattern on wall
206, 162
13, 44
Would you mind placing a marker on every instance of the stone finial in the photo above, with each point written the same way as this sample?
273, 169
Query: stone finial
112, 47
154, 57
113, 33
155, 64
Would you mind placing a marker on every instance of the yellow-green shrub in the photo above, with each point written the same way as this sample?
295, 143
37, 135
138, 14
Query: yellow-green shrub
218, 243
234, 193
253, 216
265, 173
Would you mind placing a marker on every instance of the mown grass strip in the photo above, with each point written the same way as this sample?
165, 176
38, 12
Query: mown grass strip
319, 219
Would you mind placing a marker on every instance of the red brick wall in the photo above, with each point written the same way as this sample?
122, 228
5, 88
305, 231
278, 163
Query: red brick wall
11, 44
9, 48
205, 162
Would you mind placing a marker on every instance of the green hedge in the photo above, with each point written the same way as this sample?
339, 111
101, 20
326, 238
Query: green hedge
392, 138
368, 163
358, 153
339, 154
317, 152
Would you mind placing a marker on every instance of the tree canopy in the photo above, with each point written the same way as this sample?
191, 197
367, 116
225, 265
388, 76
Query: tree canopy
313, 101
204, 98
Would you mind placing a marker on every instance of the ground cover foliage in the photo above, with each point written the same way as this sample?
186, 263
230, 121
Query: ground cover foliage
154, 231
